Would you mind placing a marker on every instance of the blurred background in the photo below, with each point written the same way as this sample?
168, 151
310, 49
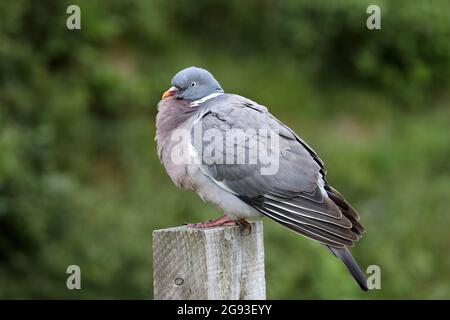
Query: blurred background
80, 181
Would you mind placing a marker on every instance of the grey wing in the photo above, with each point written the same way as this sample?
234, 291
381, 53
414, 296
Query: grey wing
294, 193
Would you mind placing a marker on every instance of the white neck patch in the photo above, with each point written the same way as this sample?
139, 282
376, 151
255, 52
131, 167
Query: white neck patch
196, 103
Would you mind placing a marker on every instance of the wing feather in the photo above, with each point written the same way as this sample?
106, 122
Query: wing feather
297, 196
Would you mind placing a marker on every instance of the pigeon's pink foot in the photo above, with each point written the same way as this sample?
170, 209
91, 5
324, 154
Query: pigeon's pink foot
221, 221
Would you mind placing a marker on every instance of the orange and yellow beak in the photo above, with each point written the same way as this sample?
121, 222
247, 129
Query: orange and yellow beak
169, 92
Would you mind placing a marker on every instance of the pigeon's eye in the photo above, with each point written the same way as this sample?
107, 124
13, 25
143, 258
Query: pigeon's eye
193, 84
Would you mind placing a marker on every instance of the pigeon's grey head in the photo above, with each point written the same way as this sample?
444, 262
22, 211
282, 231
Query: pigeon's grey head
192, 84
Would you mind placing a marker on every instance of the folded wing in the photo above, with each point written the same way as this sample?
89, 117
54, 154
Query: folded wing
296, 194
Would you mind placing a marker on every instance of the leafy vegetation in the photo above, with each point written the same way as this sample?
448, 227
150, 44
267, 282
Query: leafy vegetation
80, 182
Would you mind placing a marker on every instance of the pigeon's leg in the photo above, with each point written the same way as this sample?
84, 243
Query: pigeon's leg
221, 221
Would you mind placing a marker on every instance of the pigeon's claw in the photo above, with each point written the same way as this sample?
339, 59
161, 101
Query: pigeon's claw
221, 221
246, 227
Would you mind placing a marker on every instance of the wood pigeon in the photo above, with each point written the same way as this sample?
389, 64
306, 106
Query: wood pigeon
295, 194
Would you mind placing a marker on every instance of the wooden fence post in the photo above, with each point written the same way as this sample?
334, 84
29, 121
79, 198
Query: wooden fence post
212, 263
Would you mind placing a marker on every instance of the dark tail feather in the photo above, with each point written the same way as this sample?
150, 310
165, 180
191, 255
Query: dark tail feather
352, 266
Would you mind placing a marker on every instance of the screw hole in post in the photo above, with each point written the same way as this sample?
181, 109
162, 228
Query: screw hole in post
179, 281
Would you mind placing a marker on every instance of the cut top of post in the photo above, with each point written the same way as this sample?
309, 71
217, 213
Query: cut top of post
210, 263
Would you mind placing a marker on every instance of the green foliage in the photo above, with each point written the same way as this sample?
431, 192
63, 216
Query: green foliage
80, 182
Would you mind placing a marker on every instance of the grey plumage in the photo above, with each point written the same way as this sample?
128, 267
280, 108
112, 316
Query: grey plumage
292, 196
296, 196
352, 266
196, 83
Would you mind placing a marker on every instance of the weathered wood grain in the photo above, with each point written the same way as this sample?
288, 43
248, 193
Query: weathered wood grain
212, 263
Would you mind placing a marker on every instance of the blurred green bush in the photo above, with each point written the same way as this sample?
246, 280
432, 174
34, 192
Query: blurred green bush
80, 182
